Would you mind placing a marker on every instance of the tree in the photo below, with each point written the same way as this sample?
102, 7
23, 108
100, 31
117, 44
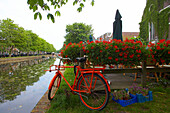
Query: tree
9, 32
11, 35
35, 5
78, 32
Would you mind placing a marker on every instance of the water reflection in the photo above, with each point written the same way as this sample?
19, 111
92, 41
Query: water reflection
14, 77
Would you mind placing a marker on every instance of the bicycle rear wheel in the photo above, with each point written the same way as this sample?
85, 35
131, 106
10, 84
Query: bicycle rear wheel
98, 98
55, 86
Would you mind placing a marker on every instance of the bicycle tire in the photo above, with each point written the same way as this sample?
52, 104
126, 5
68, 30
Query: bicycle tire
99, 96
55, 86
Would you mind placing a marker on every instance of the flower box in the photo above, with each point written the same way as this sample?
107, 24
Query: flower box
141, 98
126, 102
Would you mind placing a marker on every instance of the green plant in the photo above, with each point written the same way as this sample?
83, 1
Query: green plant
72, 50
121, 95
135, 89
160, 52
159, 19
128, 52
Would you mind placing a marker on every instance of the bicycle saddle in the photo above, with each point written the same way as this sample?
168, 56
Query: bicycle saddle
81, 59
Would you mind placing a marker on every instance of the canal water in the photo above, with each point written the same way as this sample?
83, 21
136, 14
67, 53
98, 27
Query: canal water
23, 84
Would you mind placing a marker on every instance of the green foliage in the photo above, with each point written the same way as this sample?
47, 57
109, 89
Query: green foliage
72, 50
160, 20
78, 32
44, 5
25, 40
160, 52
163, 28
128, 53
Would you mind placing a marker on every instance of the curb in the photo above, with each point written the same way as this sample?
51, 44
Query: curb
43, 105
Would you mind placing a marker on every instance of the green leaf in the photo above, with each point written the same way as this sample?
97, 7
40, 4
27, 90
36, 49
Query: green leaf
92, 3
51, 16
48, 7
48, 16
40, 16
58, 6
52, 19
75, 2
58, 13
79, 9
41, 2
81, 5
32, 2
55, 6
35, 8
84, 0
35, 15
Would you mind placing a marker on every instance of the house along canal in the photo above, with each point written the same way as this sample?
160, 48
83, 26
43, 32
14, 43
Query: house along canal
23, 84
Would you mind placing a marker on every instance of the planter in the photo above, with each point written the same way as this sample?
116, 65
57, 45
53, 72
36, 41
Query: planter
126, 102
141, 98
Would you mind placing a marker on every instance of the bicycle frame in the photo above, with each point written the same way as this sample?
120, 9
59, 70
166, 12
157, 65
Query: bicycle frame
83, 71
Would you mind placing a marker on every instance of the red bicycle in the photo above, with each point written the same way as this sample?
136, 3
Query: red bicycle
91, 86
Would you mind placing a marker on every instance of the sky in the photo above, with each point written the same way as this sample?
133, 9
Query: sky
101, 16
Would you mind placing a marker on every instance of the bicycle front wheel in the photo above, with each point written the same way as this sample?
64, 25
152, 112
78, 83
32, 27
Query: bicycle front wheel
98, 97
55, 86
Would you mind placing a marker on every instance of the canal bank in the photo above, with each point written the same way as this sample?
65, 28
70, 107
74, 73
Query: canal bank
23, 87
21, 59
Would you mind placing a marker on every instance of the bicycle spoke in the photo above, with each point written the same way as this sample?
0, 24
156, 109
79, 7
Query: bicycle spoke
99, 95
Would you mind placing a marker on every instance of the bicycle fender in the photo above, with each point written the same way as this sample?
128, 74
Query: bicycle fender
105, 81
53, 79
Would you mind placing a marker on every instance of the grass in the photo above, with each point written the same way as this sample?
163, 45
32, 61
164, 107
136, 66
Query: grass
66, 102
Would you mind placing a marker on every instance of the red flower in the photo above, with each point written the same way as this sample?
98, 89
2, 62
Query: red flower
162, 60
92, 47
116, 47
100, 51
125, 56
158, 48
131, 56
107, 47
80, 42
168, 41
121, 58
66, 56
69, 43
168, 52
116, 59
109, 58
117, 50
150, 50
87, 51
97, 57
138, 55
162, 40
139, 42
72, 46
83, 47
121, 54
139, 51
